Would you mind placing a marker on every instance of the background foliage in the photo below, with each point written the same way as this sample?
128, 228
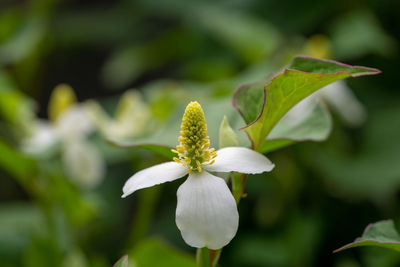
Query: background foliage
320, 195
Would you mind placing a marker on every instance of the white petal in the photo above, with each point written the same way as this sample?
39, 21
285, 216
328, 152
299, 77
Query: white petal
74, 122
344, 102
83, 162
158, 174
240, 159
206, 213
42, 138
301, 110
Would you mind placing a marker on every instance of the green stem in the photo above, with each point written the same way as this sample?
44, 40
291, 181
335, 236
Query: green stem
203, 257
238, 183
214, 257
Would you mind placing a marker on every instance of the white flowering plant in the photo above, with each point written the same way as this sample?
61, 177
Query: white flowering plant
206, 212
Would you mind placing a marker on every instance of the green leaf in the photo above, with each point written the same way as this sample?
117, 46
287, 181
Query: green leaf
42, 251
16, 164
316, 126
153, 252
122, 262
160, 149
23, 42
380, 234
16, 108
262, 108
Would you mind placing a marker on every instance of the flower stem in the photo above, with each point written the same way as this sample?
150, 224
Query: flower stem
238, 183
203, 257
214, 256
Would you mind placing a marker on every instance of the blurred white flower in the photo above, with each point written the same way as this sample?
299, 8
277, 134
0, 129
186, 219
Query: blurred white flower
206, 212
339, 97
83, 163
41, 138
69, 127
74, 123
130, 120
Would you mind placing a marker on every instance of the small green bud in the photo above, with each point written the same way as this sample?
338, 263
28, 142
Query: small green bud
227, 137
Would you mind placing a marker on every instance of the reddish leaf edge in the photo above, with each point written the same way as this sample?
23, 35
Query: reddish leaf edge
374, 71
121, 259
365, 240
235, 106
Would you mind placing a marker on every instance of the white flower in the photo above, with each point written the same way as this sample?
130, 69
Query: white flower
83, 162
130, 119
206, 212
339, 96
41, 138
73, 123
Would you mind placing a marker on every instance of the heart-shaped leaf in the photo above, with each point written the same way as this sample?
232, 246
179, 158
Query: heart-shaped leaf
262, 108
380, 234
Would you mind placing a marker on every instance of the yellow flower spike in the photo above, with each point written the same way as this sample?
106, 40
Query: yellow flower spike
193, 149
61, 99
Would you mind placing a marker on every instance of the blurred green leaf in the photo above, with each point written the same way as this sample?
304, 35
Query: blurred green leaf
257, 250
15, 163
75, 258
17, 223
262, 108
372, 171
316, 126
127, 63
23, 42
78, 210
252, 38
17, 110
347, 44
6, 82
153, 252
380, 234
122, 262
43, 252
